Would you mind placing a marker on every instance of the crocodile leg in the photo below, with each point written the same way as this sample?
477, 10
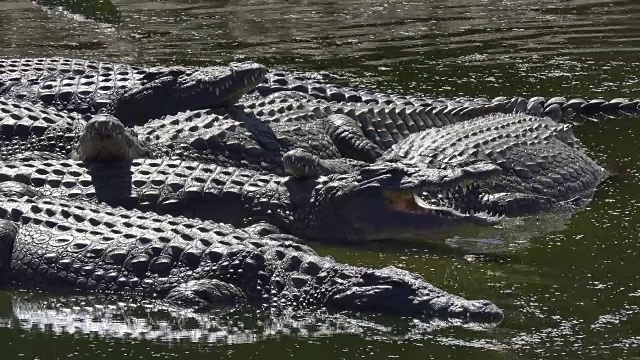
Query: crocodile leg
205, 294
302, 164
8, 233
350, 140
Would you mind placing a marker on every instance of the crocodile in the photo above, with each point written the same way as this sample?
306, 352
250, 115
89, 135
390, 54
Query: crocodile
133, 94
103, 11
321, 86
543, 163
374, 202
65, 245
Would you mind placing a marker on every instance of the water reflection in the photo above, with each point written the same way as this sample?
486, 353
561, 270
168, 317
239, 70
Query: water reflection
443, 48
109, 317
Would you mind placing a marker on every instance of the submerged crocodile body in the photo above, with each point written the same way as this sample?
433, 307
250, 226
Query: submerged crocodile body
134, 94
57, 244
103, 11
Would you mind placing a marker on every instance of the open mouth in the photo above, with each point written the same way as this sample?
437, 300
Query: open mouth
442, 203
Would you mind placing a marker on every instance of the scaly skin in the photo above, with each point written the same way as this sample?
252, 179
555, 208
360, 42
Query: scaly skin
240, 138
104, 138
305, 165
382, 125
542, 162
318, 86
131, 93
33, 132
374, 202
56, 244
16, 69
250, 135
258, 134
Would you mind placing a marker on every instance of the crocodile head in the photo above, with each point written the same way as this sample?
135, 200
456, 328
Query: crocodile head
171, 90
392, 290
106, 139
385, 201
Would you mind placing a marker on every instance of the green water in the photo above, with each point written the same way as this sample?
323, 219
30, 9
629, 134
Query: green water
568, 285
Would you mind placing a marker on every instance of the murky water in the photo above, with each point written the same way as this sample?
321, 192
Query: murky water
569, 285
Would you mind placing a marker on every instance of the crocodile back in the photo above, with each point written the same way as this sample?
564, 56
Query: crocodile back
239, 138
27, 128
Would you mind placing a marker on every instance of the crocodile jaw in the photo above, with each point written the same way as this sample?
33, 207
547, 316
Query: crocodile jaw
411, 202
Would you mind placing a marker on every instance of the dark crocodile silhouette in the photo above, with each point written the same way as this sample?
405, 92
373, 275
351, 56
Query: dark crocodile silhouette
103, 11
